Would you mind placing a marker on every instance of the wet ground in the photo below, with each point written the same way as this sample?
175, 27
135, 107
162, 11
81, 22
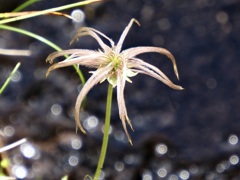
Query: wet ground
190, 134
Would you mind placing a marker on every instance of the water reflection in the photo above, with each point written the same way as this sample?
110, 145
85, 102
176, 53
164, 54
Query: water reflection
161, 149
102, 175
119, 166
147, 175
162, 172
17, 76
56, 109
78, 16
76, 144
91, 123
184, 174
234, 159
129, 159
8, 131
222, 166
73, 160
222, 17
119, 135
110, 129
20, 171
173, 177
211, 83
233, 139
28, 150
193, 169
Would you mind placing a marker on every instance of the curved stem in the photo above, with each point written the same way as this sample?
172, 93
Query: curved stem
44, 40
106, 133
24, 5
60, 8
9, 78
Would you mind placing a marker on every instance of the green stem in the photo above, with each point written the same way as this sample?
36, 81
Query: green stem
44, 40
106, 133
60, 8
9, 78
24, 5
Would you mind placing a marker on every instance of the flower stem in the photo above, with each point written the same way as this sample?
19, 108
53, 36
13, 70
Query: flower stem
106, 133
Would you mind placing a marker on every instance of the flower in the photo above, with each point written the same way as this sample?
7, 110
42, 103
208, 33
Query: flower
113, 64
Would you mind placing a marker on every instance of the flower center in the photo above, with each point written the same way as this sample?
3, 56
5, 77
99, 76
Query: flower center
116, 62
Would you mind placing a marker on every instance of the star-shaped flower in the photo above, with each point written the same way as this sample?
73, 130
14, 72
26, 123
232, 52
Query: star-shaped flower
113, 64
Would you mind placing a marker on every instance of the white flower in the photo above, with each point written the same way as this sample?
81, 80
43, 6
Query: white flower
113, 64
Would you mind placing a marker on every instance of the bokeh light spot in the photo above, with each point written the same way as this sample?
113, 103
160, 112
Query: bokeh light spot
129, 159
28, 150
20, 171
234, 159
211, 83
161, 149
184, 174
16, 77
73, 160
162, 172
8, 131
56, 109
119, 166
147, 175
78, 15
233, 139
222, 17
76, 144
91, 122
119, 135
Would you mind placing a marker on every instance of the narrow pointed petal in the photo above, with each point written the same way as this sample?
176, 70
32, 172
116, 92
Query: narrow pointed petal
126, 131
92, 32
139, 66
103, 35
97, 76
79, 52
124, 34
132, 52
121, 105
92, 60
136, 62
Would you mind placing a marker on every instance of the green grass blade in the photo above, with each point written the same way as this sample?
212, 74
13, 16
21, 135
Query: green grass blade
9, 78
60, 8
24, 5
44, 40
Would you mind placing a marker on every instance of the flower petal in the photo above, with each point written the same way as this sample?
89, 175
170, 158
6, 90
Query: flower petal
124, 34
112, 80
85, 31
103, 35
129, 73
132, 52
139, 66
92, 60
121, 104
97, 76
79, 52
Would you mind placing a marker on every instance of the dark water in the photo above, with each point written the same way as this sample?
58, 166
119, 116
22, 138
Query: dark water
190, 134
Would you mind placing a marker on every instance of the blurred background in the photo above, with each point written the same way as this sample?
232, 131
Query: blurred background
189, 134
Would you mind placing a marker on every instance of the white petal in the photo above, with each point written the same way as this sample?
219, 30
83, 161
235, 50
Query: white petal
97, 76
124, 34
121, 104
